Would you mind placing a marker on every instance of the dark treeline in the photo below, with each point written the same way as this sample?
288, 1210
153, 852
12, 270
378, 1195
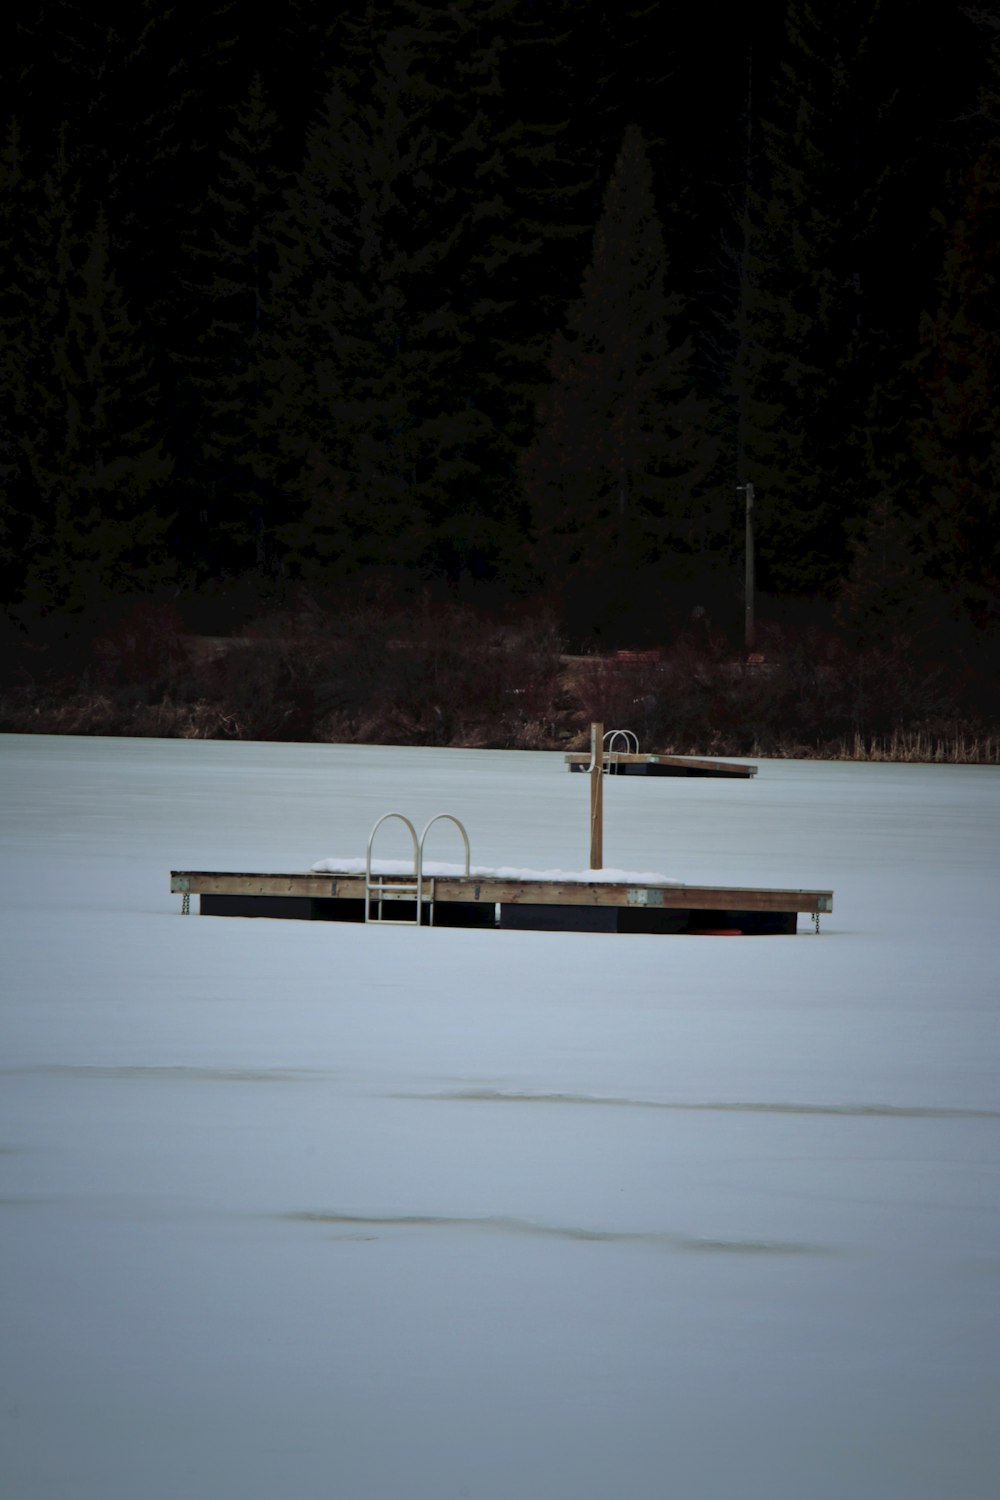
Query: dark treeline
499, 302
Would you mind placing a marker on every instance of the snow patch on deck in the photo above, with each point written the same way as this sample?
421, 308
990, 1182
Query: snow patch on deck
336, 866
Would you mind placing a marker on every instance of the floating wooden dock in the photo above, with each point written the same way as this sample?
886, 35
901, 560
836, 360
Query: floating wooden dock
495, 901
636, 763
595, 899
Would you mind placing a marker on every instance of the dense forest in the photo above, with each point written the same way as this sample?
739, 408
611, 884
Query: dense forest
496, 307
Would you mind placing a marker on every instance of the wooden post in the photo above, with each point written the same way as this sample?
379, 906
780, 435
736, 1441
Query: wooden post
597, 796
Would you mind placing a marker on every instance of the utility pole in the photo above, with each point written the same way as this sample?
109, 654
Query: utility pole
748, 586
747, 289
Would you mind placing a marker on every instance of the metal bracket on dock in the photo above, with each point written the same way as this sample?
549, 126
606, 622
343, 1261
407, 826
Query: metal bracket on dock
409, 886
181, 885
643, 895
823, 904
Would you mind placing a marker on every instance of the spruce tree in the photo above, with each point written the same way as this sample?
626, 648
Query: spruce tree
221, 375
16, 350
37, 245
957, 509
89, 464
622, 446
371, 427
807, 325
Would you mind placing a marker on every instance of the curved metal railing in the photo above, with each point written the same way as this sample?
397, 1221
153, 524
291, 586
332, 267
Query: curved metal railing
438, 818
380, 889
619, 739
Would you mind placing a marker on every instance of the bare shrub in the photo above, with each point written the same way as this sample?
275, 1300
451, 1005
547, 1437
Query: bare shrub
144, 648
54, 712
457, 680
378, 667
622, 692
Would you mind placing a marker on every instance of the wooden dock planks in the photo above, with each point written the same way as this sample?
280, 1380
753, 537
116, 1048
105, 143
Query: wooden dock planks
492, 890
470, 901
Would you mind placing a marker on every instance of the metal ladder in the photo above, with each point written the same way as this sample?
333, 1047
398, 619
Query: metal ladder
380, 889
619, 739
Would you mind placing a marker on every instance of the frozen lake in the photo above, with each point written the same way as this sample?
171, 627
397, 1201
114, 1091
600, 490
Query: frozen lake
334, 1212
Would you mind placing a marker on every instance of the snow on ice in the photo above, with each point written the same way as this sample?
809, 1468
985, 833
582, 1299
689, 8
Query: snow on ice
337, 1212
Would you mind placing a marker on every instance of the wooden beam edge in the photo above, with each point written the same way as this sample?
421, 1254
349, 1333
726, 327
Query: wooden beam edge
483, 889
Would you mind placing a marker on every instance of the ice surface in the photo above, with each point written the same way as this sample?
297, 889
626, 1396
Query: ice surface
321, 1210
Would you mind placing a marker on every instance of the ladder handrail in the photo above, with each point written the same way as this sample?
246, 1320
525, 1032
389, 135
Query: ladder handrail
437, 818
611, 738
417, 883
629, 736
403, 885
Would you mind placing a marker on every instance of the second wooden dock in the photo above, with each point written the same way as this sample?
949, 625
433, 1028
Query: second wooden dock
637, 763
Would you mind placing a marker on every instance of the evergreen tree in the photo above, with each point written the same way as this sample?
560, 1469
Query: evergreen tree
37, 245
15, 341
883, 598
806, 331
228, 517
102, 473
83, 464
895, 582
957, 442
128, 115
369, 401
372, 429
614, 473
